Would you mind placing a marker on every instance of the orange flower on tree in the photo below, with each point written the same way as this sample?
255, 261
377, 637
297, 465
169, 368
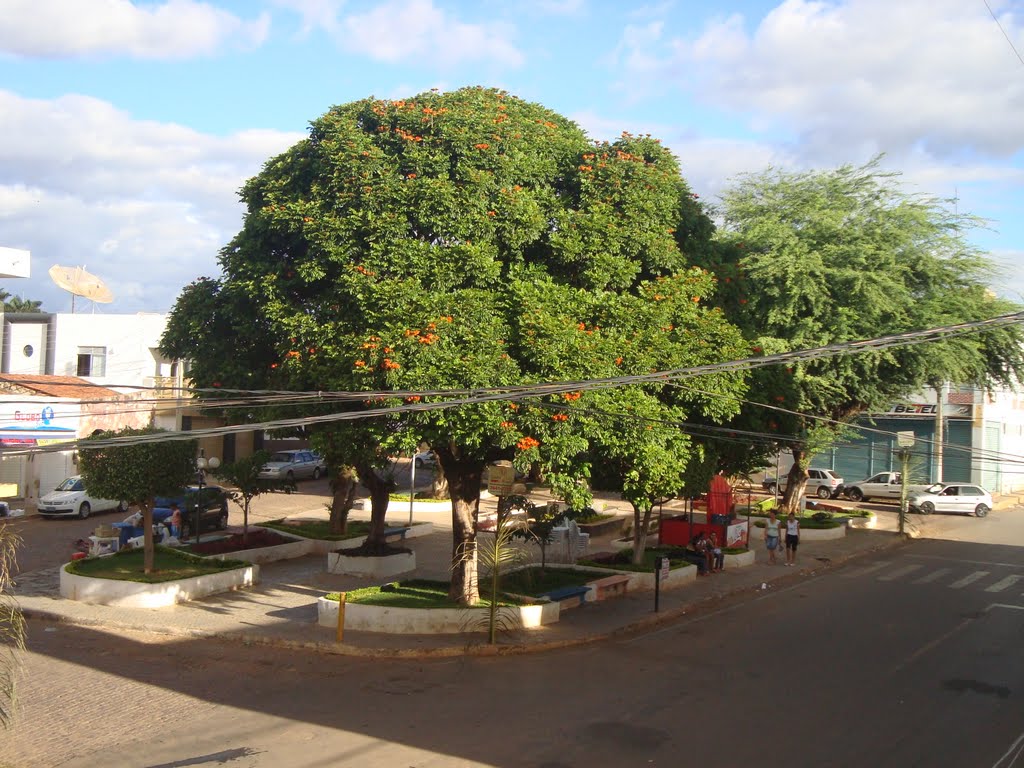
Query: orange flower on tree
507, 425
527, 443
360, 363
390, 365
413, 399
559, 417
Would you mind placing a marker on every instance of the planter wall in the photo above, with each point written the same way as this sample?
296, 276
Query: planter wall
740, 560
397, 507
132, 594
298, 547
821, 534
371, 567
325, 546
604, 527
424, 621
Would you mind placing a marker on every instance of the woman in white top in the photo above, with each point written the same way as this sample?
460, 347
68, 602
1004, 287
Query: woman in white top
771, 535
792, 537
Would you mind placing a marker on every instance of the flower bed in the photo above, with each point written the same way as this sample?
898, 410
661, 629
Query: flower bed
262, 546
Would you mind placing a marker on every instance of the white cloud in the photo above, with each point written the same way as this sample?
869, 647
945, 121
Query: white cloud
174, 29
872, 75
403, 30
144, 205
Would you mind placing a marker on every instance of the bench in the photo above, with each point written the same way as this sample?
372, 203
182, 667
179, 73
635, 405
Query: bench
610, 586
572, 595
395, 534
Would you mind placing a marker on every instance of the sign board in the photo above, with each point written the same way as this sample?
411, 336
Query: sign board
500, 479
15, 262
905, 439
663, 568
736, 534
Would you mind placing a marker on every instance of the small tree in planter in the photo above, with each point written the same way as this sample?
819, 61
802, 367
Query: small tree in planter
244, 474
133, 466
542, 520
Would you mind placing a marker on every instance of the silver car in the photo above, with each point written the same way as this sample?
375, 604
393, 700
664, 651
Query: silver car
71, 498
823, 483
293, 465
963, 498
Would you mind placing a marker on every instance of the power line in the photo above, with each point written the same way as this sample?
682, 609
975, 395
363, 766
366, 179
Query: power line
998, 24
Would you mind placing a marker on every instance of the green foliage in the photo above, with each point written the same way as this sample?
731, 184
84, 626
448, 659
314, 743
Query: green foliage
807, 259
320, 529
536, 581
12, 626
137, 472
244, 475
415, 593
18, 304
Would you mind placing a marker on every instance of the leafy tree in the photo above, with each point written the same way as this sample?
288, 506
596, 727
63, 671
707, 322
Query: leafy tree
138, 472
244, 475
18, 304
808, 259
12, 626
461, 241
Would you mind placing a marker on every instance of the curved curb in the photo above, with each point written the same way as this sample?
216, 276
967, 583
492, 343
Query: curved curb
468, 649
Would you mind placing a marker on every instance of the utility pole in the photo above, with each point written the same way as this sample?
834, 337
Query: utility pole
905, 441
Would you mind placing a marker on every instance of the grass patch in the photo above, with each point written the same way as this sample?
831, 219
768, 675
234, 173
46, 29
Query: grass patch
416, 593
169, 565
419, 497
623, 560
596, 518
537, 581
320, 529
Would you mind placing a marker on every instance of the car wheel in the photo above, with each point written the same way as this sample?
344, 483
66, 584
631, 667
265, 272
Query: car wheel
186, 531
84, 510
770, 488
981, 510
419, 463
290, 477
927, 508
222, 521
316, 473
855, 494
824, 492
122, 507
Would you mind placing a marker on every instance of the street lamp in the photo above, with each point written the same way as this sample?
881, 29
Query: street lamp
202, 464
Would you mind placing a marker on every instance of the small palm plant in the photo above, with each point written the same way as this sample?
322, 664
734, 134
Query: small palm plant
12, 626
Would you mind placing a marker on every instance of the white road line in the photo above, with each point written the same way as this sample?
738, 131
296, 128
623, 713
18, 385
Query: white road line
865, 571
1009, 754
1002, 584
968, 580
933, 576
899, 573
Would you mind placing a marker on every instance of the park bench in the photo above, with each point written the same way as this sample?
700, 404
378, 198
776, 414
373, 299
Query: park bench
395, 534
610, 586
567, 597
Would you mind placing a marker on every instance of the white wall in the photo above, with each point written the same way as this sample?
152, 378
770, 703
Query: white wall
23, 335
129, 340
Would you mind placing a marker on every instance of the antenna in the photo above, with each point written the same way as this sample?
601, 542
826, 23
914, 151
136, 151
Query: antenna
81, 283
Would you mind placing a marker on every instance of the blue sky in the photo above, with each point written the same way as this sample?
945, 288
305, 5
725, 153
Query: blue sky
128, 127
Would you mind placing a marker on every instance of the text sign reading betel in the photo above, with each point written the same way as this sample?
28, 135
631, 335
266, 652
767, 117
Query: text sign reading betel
500, 479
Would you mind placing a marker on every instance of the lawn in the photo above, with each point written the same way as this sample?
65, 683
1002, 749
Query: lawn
168, 564
320, 529
537, 581
623, 560
416, 593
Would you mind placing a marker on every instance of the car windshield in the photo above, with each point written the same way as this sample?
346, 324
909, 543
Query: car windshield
282, 458
166, 501
935, 488
72, 484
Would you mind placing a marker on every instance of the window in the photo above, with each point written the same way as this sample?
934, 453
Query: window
92, 361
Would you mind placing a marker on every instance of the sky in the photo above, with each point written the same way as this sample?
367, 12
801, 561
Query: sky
127, 128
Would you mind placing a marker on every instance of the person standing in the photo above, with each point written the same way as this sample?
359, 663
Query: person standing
175, 521
771, 535
792, 537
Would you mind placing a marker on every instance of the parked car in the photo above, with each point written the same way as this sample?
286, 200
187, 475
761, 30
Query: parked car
293, 465
884, 485
963, 498
211, 501
823, 483
71, 498
424, 459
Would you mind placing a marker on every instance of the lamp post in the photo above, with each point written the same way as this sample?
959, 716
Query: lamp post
202, 464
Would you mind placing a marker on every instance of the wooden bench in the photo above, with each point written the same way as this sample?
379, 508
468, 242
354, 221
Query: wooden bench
395, 534
568, 597
610, 586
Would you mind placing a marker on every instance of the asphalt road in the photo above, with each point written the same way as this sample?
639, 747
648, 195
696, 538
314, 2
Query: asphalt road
912, 658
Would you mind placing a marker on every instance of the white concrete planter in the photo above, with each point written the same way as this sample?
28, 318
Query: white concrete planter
820, 534
371, 567
740, 560
325, 546
677, 577
395, 507
297, 547
428, 621
132, 594
863, 522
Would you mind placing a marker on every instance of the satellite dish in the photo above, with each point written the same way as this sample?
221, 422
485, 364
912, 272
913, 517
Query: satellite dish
81, 283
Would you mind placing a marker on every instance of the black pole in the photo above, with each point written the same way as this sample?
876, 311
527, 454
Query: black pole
657, 583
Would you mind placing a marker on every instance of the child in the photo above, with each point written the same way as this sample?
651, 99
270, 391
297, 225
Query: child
717, 554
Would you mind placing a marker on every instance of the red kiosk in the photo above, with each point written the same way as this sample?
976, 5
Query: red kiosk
679, 530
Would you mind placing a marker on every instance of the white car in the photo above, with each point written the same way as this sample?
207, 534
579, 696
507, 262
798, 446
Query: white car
964, 498
71, 498
293, 465
823, 483
424, 459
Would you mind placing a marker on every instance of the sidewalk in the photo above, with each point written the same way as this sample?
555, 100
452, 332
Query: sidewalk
281, 609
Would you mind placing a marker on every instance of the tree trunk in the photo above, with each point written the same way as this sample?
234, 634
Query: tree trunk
245, 521
464, 476
641, 522
148, 545
439, 485
380, 494
796, 483
343, 496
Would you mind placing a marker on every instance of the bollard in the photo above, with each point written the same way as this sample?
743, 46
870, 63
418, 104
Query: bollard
341, 617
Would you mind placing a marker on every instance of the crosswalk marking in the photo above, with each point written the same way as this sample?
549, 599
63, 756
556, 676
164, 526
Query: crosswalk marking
899, 573
966, 580
865, 571
935, 575
1002, 584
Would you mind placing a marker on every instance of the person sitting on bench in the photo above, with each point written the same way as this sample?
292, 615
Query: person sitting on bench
718, 557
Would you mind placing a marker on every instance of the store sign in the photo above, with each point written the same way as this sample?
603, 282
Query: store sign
736, 535
929, 409
24, 427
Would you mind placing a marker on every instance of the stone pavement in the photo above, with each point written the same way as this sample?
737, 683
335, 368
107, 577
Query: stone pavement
281, 609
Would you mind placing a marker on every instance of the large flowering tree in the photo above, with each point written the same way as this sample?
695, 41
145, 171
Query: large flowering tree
471, 241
